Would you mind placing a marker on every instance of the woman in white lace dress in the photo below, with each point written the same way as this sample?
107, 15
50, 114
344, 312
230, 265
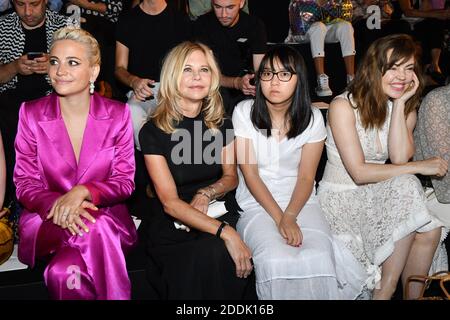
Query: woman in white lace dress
280, 138
379, 209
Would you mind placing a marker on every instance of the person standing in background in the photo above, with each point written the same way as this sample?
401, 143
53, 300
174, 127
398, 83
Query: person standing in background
239, 42
74, 170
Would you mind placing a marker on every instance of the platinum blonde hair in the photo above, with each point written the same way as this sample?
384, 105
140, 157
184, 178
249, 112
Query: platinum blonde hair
168, 114
80, 36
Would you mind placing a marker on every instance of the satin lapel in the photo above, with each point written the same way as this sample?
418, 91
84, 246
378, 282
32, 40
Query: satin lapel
97, 127
55, 129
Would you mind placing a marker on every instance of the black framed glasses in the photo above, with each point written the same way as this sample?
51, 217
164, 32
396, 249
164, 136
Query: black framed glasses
284, 76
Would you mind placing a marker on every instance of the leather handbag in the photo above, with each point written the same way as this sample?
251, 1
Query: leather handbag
6, 238
436, 286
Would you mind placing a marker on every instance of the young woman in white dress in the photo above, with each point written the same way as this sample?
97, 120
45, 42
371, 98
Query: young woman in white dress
280, 139
378, 209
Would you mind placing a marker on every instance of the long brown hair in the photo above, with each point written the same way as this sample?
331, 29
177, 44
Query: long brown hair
367, 90
167, 113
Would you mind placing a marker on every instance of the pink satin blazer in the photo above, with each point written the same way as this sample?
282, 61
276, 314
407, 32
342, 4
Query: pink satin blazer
46, 166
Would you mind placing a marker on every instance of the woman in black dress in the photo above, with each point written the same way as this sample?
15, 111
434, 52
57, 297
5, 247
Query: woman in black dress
188, 148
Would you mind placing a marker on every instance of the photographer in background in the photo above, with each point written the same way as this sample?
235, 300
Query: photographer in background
25, 37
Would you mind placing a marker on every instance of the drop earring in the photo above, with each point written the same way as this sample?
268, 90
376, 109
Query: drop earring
91, 87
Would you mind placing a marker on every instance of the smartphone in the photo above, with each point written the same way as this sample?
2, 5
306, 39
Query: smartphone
34, 55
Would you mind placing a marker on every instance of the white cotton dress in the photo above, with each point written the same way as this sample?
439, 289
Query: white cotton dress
321, 268
370, 218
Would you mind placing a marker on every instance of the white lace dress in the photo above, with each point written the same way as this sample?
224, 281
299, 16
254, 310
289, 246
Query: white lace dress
369, 219
321, 268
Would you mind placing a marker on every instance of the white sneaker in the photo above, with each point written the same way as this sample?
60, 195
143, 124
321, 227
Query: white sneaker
323, 89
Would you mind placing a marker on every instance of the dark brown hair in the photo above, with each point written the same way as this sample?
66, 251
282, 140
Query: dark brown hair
367, 90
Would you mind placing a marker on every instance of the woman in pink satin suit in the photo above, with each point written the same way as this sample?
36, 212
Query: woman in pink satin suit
74, 169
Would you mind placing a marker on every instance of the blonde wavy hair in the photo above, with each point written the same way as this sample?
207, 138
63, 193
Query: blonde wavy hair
366, 88
168, 113
83, 37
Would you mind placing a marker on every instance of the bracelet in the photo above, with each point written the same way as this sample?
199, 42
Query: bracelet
203, 193
210, 191
219, 231
291, 214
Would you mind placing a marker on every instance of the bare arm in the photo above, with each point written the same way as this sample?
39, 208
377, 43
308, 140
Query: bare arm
311, 153
20, 66
121, 67
257, 58
167, 193
342, 121
8, 71
239, 83
307, 168
409, 11
401, 139
141, 87
433, 139
249, 167
2, 174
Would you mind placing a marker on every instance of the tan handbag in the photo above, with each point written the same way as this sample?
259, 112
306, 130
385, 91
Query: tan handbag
436, 286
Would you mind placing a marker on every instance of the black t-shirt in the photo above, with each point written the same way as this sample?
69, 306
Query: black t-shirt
34, 85
233, 47
150, 37
192, 153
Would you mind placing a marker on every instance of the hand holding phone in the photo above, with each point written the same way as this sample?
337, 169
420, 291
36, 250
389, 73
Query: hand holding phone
34, 62
33, 55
